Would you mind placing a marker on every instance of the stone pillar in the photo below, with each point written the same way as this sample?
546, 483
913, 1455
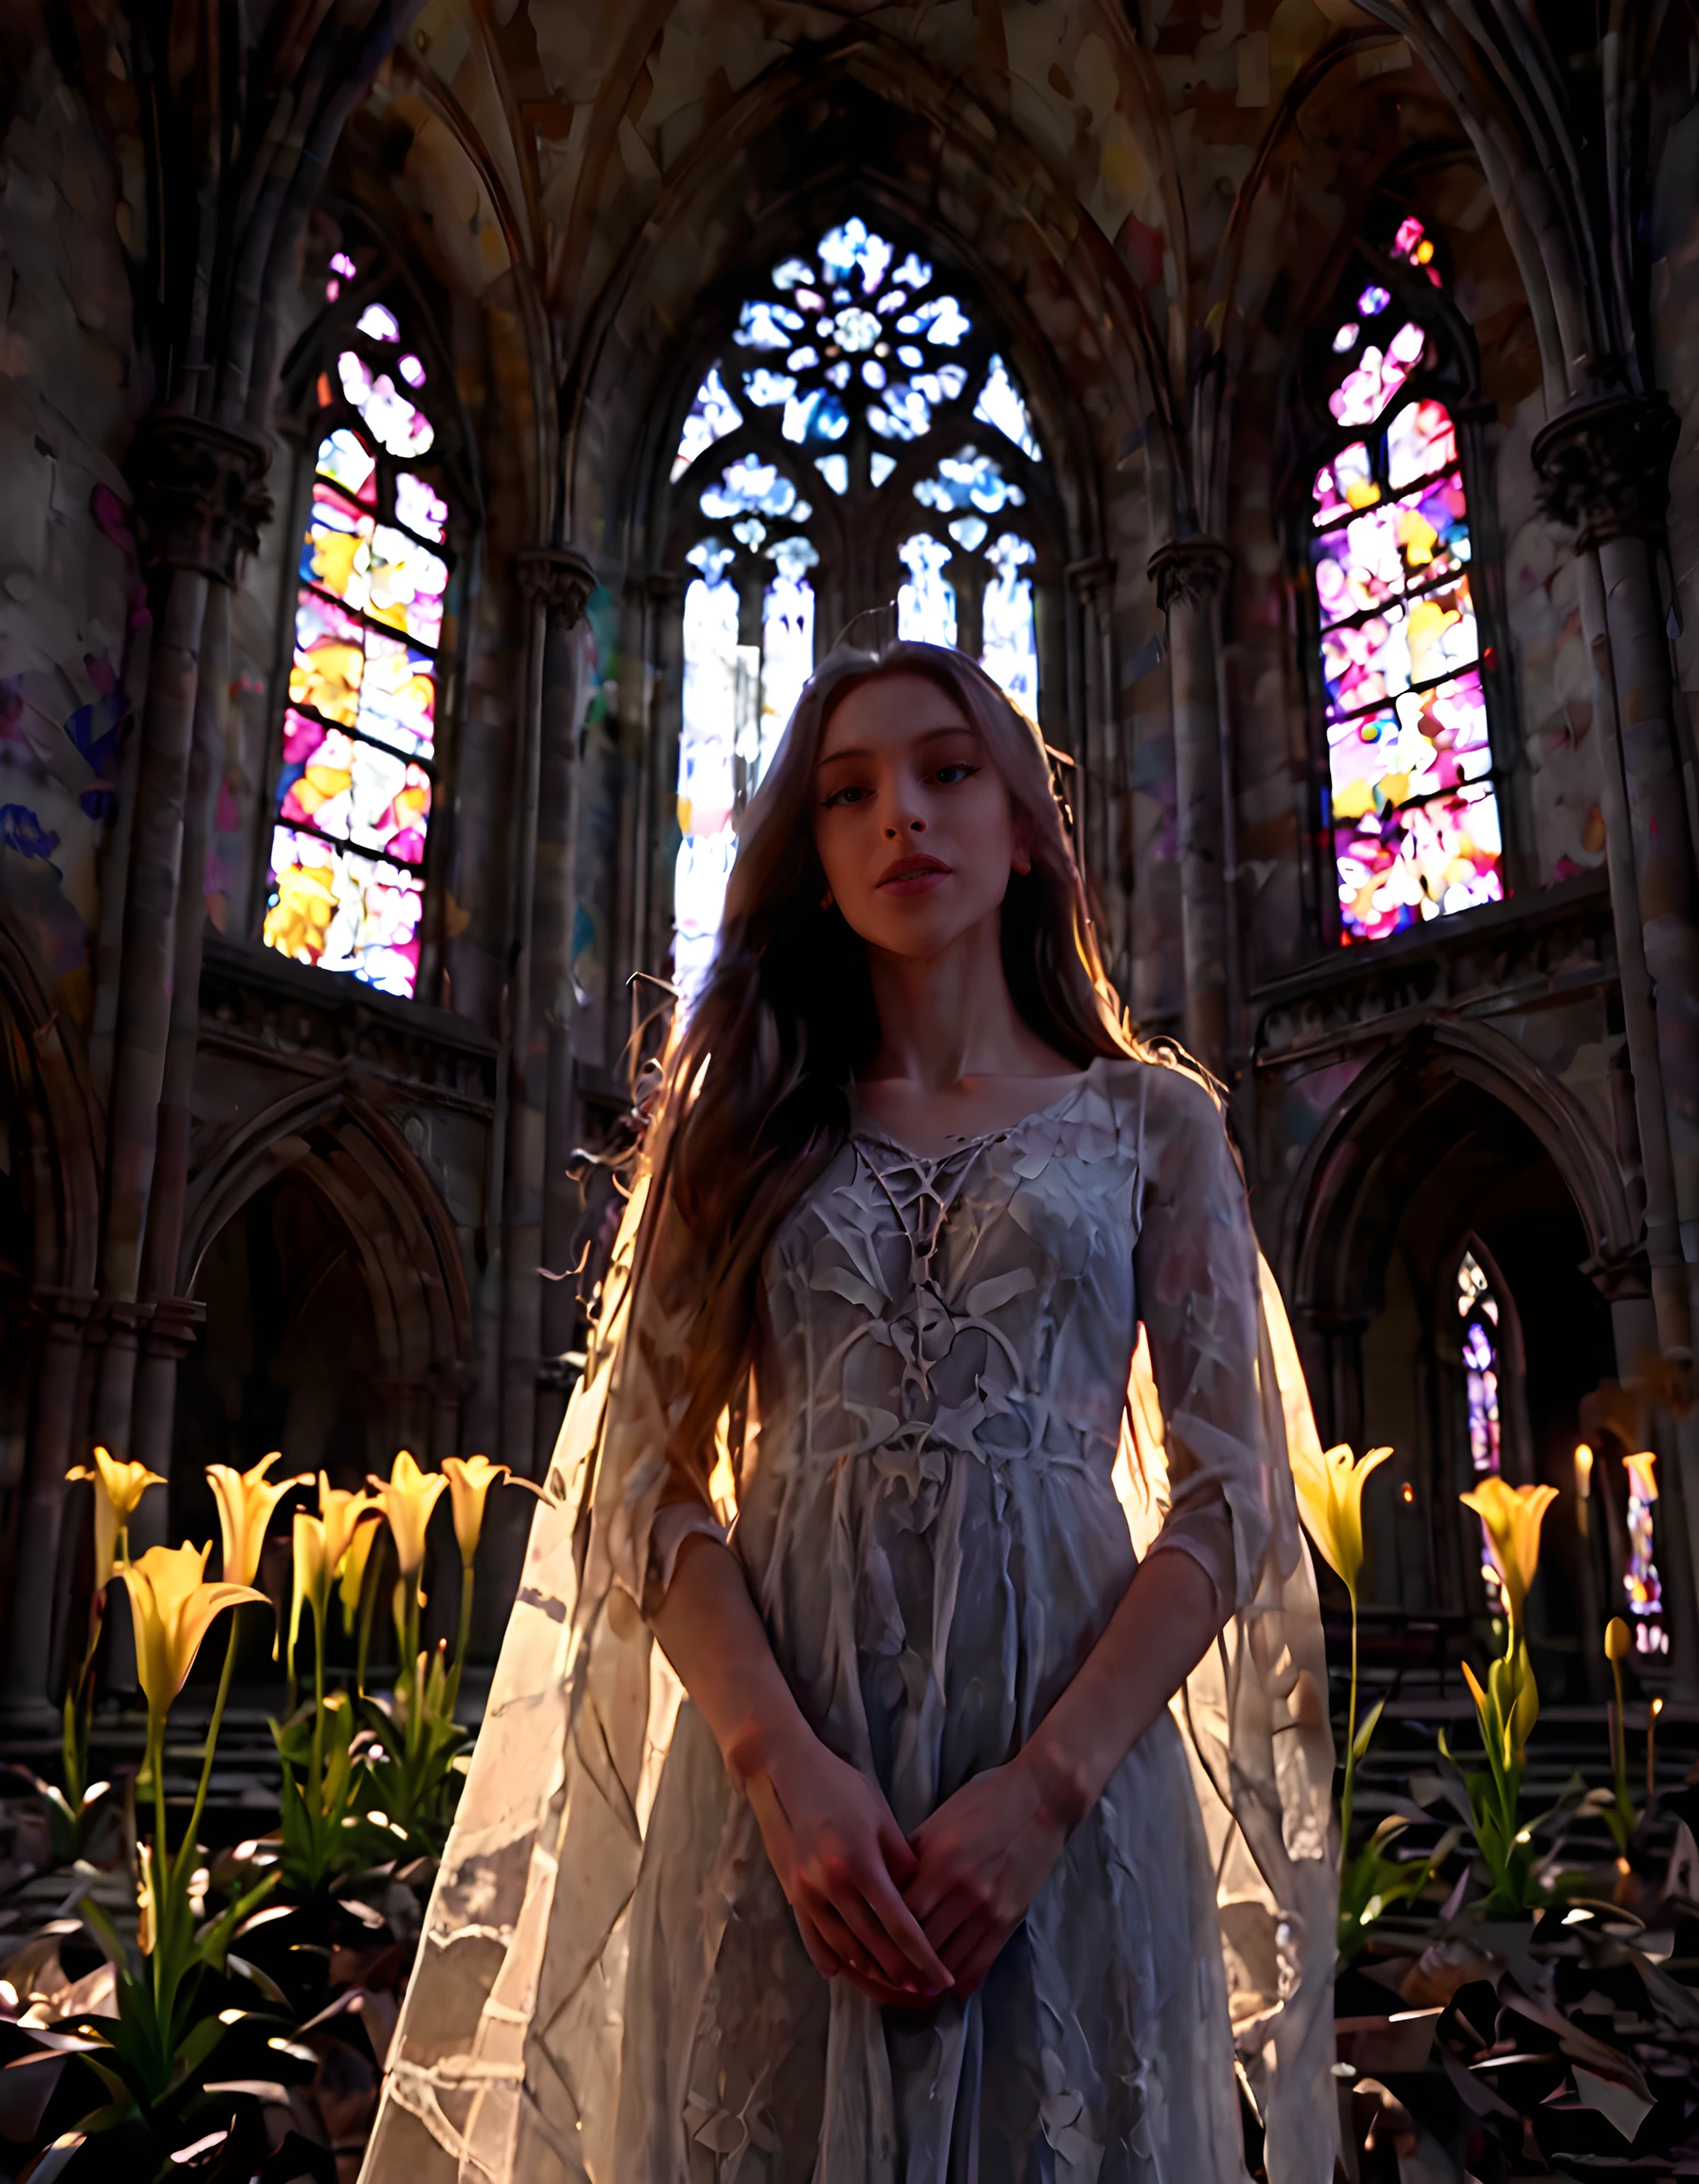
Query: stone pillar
172, 1320
1190, 575
1604, 468
1093, 585
201, 502
556, 584
567, 580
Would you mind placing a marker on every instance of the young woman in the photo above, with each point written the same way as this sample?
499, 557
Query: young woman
916, 1881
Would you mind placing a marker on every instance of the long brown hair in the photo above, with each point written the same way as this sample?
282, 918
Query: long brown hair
752, 1096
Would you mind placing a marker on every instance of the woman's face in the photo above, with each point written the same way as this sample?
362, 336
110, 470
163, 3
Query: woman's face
914, 824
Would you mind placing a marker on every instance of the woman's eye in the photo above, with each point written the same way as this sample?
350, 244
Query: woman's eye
851, 793
957, 769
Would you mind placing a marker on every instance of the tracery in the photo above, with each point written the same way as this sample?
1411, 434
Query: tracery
863, 431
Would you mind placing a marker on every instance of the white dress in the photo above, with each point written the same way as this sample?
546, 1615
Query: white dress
937, 1518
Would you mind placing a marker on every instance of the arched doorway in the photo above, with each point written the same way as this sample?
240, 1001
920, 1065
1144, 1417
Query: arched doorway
1437, 1259
288, 1357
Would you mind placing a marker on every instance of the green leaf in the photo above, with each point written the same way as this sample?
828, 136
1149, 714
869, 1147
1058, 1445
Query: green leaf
194, 2049
1360, 1742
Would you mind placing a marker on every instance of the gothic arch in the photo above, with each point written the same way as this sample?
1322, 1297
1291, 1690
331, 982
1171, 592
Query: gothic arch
361, 1164
716, 217
1392, 1113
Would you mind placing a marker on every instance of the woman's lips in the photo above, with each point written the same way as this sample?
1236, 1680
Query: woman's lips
912, 876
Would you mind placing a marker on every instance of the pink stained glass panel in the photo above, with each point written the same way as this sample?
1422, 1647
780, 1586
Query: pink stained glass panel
329, 660
394, 421
1420, 442
1372, 382
1366, 663
345, 459
373, 566
1405, 865
1428, 740
338, 538
1347, 481
405, 583
344, 910
398, 696
355, 792
420, 506
1406, 545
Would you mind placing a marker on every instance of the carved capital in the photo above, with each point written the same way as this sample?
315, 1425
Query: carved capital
1093, 582
558, 579
200, 497
1192, 570
1604, 467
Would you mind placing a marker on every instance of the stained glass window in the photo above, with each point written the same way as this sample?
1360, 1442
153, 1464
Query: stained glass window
1642, 1588
1412, 791
357, 778
858, 398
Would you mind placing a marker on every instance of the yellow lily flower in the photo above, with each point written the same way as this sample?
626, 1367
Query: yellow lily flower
1618, 1644
245, 1500
118, 1488
1512, 1516
344, 1511
1642, 1475
409, 1496
173, 1606
1330, 1500
470, 1479
312, 1571
351, 1571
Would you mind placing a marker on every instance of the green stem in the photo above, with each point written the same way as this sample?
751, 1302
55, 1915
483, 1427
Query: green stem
462, 1635
213, 1728
159, 1875
368, 1590
315, 1765
415, 1667
1346, 1794
1620, 1743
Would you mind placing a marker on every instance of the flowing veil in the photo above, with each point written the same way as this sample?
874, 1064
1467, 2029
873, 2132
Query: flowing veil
505, 2063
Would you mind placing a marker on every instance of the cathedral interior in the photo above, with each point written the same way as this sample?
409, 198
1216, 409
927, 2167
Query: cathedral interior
439, 437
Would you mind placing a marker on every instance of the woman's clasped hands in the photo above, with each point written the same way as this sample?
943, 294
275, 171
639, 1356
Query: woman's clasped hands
905, 1920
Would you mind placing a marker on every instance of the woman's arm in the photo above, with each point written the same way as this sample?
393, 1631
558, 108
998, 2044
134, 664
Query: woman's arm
986, 1852
833, 1843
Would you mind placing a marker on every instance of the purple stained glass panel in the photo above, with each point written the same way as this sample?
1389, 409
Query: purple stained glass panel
1409, 864
1402, 546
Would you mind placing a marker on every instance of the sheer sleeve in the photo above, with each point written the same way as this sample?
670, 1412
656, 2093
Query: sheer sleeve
1196, 1275
1214, 1400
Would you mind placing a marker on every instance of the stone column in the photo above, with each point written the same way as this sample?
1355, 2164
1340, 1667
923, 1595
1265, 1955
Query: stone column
201, 502
565, 581
1190, 575
1604, 468
172, 1320
556, 584
1094, 583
